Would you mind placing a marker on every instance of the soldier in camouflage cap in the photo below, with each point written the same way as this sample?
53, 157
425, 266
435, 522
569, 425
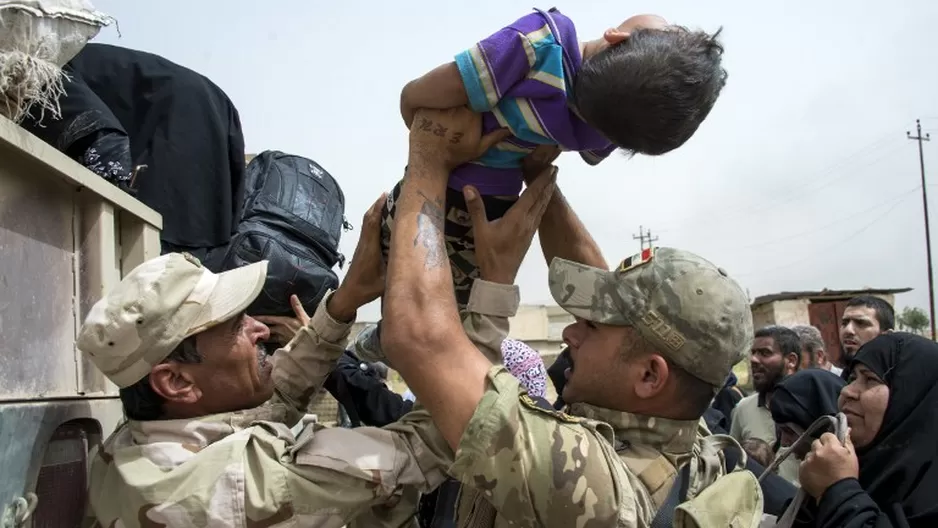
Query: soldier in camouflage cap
653, 340
682, 306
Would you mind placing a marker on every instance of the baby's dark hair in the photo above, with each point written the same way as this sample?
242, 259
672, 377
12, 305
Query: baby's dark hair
649, 93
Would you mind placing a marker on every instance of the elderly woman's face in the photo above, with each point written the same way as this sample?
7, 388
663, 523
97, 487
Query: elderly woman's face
864, 402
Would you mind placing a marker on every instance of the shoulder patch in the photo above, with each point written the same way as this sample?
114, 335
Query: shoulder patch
637, 260
542, 405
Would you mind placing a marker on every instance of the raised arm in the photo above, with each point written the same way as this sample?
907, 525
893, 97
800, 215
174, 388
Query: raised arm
421, 333
561, 232
513, 449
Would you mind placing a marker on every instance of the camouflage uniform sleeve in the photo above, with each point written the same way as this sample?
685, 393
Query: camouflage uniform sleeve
302, 366
374, 473
536, 466
485, 318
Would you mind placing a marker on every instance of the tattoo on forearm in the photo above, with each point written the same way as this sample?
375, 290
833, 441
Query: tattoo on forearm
438, 130
430, 233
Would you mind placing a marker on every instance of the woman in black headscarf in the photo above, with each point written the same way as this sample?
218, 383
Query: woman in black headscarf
886, 474
800, 400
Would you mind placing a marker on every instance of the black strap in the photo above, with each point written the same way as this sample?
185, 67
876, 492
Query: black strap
678, 494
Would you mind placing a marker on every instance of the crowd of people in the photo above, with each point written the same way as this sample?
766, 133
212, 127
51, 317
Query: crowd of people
650, 427
225, 437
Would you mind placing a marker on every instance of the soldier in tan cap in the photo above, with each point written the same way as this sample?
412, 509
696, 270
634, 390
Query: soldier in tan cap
654, 338
216, 434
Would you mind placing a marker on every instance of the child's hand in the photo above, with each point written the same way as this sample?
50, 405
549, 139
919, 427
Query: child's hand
537, 162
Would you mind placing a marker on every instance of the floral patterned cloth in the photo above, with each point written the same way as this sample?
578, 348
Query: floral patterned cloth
525, 364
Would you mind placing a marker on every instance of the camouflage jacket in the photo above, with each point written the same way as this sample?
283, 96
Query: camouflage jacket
250, 469
590, 468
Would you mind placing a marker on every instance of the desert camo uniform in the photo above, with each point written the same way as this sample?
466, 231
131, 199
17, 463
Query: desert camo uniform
249, 468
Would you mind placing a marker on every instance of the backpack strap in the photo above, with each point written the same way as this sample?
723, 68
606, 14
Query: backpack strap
678, 494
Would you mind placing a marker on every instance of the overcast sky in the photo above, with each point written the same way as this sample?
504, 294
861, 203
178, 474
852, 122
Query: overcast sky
801, 178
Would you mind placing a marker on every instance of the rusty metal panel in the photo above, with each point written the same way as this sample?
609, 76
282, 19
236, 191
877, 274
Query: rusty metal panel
37, 286
26, 430
825, 317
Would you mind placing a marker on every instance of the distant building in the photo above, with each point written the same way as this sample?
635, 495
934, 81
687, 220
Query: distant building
822, 309
539, 326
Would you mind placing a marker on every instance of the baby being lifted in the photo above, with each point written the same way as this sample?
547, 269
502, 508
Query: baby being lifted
643, 87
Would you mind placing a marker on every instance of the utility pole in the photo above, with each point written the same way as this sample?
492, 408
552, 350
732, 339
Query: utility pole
643, 236
931, 282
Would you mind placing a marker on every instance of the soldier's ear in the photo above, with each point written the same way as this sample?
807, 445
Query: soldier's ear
653, 376
174, 383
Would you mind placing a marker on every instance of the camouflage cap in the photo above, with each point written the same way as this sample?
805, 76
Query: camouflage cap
156, 306
691, 310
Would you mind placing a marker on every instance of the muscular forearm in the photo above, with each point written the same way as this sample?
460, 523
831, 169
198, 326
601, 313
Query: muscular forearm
563, 235
421, 333
419, 280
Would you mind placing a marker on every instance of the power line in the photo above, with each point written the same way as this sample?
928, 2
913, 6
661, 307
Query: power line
643, 236
813, 256
921, 160
818, 180
813, 230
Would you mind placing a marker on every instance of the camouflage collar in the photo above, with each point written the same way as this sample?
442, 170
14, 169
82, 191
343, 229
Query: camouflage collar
205, 430
668, 436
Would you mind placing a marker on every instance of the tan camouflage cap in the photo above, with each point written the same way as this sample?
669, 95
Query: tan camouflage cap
690, 309
156, 306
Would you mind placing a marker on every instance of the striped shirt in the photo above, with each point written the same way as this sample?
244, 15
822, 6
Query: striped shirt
521, 78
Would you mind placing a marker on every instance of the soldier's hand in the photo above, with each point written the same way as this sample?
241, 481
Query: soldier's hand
828, 463
282, 329
500, 245
364, 281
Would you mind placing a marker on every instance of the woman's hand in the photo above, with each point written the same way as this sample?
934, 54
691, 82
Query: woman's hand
828, 463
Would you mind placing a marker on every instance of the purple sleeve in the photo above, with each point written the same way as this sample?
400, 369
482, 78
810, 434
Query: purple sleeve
493, 65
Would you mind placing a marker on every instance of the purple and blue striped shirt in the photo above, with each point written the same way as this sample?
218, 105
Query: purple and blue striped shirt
522, 78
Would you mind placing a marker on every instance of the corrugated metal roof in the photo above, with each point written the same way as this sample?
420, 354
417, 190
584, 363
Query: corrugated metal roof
825, 295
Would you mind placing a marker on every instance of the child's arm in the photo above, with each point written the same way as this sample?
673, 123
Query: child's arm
441, 87
480, 75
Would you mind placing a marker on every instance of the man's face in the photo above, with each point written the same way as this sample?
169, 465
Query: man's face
235, 372
596, 359
768, 364
858, 326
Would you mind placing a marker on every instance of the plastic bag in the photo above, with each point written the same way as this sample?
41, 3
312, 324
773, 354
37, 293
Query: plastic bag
37, 38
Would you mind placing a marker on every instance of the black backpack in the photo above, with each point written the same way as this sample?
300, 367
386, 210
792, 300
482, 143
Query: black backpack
293, 216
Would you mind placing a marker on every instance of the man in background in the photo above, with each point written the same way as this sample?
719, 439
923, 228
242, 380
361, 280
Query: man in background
813, 354
865, 318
